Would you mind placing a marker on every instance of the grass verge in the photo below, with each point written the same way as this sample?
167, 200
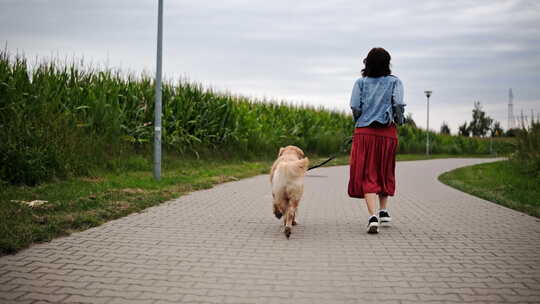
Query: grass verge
501, 182
80, 203
77, 204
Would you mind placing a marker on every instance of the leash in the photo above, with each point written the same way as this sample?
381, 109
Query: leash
344, 146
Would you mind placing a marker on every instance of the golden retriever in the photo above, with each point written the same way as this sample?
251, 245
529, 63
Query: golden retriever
287, 179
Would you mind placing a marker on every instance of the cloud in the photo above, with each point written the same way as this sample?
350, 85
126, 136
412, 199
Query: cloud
307, 51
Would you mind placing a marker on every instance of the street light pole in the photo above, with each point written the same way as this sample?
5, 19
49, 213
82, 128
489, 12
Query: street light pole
428, 94
157, 107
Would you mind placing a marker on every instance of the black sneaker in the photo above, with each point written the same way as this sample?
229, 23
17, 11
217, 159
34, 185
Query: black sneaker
384, 217
373, 225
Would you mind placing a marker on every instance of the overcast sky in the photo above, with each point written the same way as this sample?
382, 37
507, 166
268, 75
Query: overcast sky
304, 51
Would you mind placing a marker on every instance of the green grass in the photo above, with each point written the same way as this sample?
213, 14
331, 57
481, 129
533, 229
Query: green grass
503, 182
80, 203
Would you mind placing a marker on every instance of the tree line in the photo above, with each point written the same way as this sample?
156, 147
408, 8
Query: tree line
481, 125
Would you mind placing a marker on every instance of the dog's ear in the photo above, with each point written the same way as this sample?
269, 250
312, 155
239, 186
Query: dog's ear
281, 151
299, 152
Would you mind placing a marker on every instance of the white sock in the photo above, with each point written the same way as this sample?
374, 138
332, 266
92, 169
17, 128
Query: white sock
385, 210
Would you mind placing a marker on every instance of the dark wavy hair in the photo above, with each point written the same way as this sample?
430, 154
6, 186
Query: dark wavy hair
377, 63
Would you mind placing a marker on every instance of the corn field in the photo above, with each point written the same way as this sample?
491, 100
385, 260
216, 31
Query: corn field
59, 120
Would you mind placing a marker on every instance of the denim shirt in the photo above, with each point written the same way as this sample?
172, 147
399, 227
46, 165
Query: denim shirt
371, 98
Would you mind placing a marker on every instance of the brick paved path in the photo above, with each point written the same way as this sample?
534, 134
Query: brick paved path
223, 246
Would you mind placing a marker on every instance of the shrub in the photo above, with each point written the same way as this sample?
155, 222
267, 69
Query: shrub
528, 149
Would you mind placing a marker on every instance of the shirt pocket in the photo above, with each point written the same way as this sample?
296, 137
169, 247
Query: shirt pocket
388, 114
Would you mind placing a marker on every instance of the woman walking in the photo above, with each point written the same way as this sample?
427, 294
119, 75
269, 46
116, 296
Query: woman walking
373, 154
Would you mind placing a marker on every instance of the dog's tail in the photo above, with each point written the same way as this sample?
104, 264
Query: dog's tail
299, 166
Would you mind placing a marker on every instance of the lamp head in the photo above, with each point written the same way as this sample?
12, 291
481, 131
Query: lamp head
428, 93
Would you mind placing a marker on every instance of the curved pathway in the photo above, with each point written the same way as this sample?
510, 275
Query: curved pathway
223, 245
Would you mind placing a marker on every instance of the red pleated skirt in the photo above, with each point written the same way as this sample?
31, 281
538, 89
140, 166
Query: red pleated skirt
373, 161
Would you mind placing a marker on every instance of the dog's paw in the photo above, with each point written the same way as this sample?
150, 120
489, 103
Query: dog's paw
278, 214
287, 232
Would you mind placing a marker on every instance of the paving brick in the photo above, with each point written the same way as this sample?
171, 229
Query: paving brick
521, 299
119, 293
129, 301
28, 282
236, 293
100, 286
21, 274
505, 291
77, 291
19, 301
59, 277
54, 298
468, 285
11, 295
187, 290
395, 296
440, 297
203, 299
535, 291
161, 296
73, 284
127, 281
414, 290
37, 289
491, 298
91, 278
38, 265
435, 302
460, 291
430, 284
86, 299
47, 270
7, 287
